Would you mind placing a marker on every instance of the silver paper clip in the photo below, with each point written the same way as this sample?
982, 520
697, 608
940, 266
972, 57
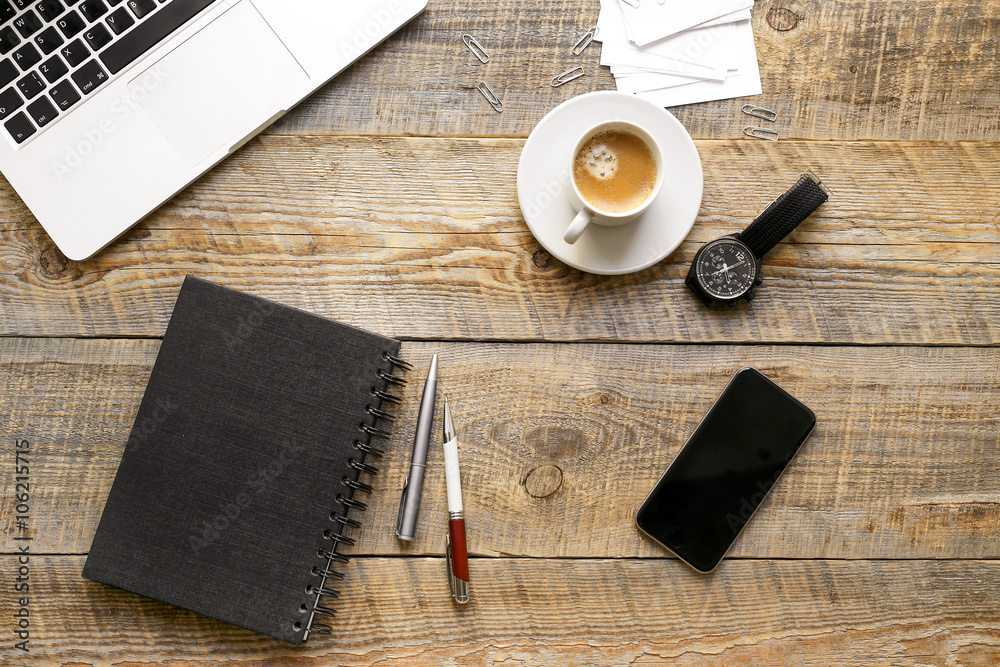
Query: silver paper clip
567, 76
760, 133
490, 96
476, 48
633, 3
760, 112
582, 43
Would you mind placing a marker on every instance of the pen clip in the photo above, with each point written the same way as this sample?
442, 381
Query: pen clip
402, 504
459, 589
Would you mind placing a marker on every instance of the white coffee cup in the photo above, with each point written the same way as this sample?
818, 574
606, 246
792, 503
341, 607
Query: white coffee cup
589, 213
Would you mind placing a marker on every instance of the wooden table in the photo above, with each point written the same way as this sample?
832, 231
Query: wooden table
388, 201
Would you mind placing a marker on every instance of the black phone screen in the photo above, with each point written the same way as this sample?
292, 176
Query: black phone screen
724, 471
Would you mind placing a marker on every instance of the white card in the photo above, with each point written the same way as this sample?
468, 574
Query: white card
619, 55
651, 21
741, 15
611, 14
745, 82
707, 47
645, 81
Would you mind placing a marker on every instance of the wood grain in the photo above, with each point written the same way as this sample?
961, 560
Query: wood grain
423, 238
526, 612
560, 444
846, 69
387, 200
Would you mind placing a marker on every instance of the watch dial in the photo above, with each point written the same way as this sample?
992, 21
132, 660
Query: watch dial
726, 269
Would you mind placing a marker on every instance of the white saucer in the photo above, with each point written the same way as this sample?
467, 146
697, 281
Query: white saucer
543, 178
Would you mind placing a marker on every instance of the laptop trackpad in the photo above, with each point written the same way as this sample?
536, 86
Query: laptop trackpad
222, 83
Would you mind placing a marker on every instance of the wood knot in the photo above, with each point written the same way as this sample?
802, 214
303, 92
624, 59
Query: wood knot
782, 20
543, 481
53, 262
541, 259
853, 69
605, 399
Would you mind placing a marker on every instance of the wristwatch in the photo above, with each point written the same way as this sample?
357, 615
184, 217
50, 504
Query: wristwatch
728, 269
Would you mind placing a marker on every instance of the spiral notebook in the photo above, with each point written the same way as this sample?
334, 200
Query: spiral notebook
245, 472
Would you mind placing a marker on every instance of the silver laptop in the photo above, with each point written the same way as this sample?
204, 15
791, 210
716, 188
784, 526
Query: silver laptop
108, 108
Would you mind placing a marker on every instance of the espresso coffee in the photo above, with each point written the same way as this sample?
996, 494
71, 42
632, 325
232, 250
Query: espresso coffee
615, 171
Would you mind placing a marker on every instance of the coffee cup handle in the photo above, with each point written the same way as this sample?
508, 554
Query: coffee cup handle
576, 228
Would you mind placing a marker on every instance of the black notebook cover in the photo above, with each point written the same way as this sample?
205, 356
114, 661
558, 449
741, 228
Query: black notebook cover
237, 457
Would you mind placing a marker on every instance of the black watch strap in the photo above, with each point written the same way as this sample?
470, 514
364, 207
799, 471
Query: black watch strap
783, 215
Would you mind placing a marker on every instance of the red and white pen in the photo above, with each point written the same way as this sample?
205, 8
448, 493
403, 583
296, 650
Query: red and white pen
457, 556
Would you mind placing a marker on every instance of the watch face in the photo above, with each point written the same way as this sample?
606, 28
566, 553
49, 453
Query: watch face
726, 269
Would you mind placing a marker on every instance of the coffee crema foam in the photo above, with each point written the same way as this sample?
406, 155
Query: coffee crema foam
615, 171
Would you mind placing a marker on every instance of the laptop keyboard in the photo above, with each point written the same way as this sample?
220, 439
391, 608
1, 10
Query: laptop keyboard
54, 53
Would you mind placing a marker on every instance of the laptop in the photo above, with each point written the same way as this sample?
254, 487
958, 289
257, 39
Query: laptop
108, 108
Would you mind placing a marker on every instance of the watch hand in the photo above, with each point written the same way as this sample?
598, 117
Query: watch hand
727, 268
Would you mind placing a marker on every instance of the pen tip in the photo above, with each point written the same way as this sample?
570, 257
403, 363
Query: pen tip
448, 429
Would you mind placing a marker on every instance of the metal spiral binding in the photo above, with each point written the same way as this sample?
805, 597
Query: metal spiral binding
357, 486
391, 379
388, 398
377, 428
363, 467
368, 449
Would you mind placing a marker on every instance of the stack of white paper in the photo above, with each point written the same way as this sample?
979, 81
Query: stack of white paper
674, 52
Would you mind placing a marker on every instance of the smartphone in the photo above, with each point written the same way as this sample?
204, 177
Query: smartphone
725, 470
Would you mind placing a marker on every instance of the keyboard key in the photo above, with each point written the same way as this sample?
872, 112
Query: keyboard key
48, 40
89, 77
42, 111
7, 72
64, 95
141, 7
49, 9
93, 9
53, 69
10, 102
120, 21
98, 37
20, 128
27, 57
7, 10
75, 53
27, 24
21, 4
71, 24
8, 39
151, 32
31, 85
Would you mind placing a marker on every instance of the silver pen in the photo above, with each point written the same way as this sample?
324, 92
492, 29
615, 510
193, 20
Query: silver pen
409, 504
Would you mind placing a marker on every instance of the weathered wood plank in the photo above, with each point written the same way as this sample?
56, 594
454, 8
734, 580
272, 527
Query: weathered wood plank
846, 69
528, 612
423, 238
902, 465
